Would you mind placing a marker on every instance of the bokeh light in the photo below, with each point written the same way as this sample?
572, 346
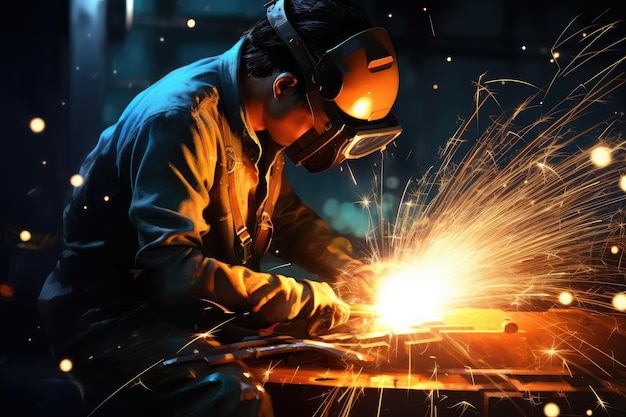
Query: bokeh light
6, 290
37, 125
77, 180
551, 410
566, 298
66, 365
619, 302
25, 236
191, 23
601, 156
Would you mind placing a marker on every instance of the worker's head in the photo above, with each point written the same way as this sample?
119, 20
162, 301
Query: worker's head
340, 72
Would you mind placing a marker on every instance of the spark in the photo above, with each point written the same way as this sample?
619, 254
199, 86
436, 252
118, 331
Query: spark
464, 406
600, 402
132, 381
209, 334
268, 371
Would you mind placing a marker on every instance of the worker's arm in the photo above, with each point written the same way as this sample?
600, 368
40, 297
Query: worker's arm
172, 169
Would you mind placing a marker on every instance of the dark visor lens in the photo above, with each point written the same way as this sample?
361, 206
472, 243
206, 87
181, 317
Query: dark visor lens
328, 155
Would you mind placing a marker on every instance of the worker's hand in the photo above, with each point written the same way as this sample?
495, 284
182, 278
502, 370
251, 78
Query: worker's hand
327, 312
365, 280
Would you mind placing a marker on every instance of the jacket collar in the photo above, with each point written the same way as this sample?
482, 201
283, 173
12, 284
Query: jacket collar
231, 94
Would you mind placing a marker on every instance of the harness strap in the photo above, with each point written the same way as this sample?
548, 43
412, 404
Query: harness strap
264, 222
265, 226
241, 230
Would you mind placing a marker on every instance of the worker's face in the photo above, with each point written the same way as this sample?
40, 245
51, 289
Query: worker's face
288, 120
288, 115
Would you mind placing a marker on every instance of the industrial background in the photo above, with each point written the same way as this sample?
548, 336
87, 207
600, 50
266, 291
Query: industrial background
76, 64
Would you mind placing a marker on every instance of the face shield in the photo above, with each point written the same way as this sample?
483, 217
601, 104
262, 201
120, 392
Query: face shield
350, 91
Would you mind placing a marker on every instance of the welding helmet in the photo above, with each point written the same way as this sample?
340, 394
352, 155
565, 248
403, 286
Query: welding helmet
350, 90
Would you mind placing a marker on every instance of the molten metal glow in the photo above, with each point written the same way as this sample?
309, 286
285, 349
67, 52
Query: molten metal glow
414, 295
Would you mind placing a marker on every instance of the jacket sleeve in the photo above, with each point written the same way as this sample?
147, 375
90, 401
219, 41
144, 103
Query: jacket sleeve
172, 169
304, 238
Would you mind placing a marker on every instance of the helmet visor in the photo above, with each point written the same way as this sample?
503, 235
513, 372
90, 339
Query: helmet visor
360, 75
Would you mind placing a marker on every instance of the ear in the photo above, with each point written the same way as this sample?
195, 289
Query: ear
283, 84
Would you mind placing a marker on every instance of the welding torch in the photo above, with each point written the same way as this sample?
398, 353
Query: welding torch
258, 348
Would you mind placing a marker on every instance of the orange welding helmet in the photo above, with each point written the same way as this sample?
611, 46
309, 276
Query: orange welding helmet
350, 90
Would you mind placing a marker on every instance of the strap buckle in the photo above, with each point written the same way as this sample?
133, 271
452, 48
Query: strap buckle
245, 245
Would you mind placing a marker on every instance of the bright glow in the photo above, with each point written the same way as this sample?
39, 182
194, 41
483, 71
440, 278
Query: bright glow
619, 301
449, 59
566, 298
25, 236
77, 180
614, 249
556, 54
66, 365
191, 23
412, 296
601, 156
622, 183
589, 412
37, 125
362, 108
551, 410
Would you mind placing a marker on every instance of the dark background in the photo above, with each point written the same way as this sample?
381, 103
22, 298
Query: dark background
77, 64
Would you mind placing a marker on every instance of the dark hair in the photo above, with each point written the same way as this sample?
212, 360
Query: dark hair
322, 24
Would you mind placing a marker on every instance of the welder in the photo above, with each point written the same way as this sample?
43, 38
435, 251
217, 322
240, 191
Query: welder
184, 194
